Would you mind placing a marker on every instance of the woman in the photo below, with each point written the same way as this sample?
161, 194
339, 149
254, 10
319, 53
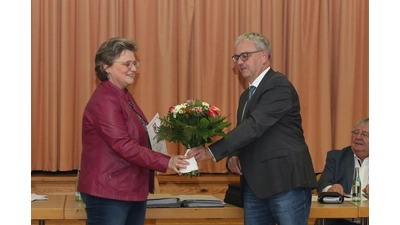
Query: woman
117, 166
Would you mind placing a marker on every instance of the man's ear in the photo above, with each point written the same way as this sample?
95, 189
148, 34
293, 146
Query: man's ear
265, 55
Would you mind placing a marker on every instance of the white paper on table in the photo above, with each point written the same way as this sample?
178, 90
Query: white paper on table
152, 130
192, 166
35, 197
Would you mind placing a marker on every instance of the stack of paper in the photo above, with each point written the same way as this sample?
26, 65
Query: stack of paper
366, 195
35, 197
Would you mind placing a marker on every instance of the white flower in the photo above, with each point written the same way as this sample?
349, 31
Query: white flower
205, 105
179, 109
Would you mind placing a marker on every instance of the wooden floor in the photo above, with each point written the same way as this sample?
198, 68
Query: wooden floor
63, 183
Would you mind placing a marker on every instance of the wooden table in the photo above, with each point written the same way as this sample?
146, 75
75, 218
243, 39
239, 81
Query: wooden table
76, 210
324, 211
53, 208
65, 207
344, 210
363, 211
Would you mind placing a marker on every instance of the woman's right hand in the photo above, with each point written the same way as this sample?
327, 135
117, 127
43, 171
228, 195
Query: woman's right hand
177, 162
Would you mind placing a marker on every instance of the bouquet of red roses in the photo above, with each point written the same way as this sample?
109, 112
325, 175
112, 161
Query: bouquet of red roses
192, 124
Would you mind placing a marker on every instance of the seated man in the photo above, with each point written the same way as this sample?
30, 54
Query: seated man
337, 175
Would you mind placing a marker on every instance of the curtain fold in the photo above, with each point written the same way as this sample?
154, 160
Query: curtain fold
185, 50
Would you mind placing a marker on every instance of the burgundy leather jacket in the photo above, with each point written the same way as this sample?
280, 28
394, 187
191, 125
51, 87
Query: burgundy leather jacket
116, 162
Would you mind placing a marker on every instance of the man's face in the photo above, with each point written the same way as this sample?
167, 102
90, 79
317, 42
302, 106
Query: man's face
254, 64
360, 141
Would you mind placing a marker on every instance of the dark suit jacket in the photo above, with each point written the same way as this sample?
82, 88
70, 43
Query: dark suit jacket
269, 140
339, 169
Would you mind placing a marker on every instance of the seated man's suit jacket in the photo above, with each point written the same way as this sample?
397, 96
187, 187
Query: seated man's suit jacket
339, 169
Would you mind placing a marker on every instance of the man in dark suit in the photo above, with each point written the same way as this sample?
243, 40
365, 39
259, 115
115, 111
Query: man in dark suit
337, 175
267, 147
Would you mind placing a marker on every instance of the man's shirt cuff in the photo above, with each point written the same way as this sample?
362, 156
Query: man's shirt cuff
211, 154
326, 188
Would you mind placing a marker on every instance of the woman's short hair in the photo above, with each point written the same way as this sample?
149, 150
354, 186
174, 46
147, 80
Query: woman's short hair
109, 51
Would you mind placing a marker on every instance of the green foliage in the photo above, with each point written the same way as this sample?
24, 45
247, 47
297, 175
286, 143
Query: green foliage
192, 124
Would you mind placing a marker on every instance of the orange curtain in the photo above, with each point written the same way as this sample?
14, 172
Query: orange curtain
185, 50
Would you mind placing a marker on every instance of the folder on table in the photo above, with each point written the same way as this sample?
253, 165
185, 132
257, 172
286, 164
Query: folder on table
170, 201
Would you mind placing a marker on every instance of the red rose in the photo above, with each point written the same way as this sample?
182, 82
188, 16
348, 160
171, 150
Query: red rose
171, 109
213, 111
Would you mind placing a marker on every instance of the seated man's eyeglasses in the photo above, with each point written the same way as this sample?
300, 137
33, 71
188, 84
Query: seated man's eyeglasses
129, 64
243, 56
364, 134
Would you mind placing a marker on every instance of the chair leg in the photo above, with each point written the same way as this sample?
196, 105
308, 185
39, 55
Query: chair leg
364, 221
320, 221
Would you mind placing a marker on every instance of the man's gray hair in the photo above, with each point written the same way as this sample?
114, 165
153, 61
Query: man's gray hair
259, 40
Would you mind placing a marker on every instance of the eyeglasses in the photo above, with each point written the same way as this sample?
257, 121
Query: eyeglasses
243, 56
364, 134
129, 64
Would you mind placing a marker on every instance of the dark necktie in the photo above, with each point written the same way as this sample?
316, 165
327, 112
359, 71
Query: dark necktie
251, 91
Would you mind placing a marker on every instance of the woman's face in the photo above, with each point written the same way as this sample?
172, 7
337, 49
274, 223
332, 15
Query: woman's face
119, 72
